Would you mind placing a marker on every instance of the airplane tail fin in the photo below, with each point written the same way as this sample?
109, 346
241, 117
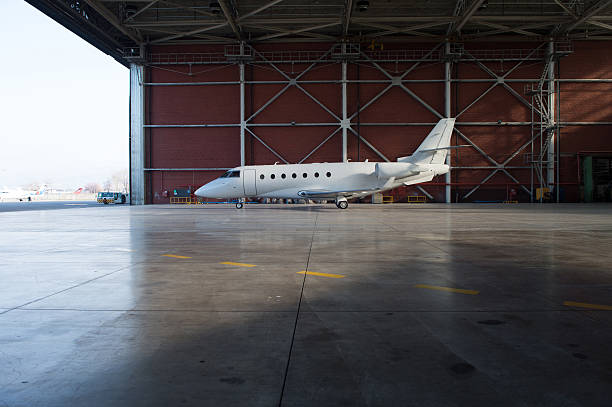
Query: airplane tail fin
434, 148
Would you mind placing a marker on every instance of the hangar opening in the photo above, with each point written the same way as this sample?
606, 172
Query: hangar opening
217, 85
303, 304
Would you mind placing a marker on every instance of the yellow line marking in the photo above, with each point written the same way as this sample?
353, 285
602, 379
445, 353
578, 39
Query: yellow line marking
452, 290
176, 256
585, 305
314, 273
231, 263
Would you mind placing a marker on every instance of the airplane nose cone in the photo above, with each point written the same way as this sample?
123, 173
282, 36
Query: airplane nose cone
201, 192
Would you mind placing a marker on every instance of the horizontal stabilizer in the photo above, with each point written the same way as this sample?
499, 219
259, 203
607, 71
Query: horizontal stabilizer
426, 178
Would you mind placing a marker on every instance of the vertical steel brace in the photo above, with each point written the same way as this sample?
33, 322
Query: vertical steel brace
137, 144
242, 109
447, 113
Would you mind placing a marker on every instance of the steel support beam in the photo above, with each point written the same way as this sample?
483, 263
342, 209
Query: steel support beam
346, 22
259, 10
550, 160
345, 121
242, 121
319, 146
142, 10
137, 144
596, 8
189, 169
469, 12
111, 18
267, 146
229, 16
447, 113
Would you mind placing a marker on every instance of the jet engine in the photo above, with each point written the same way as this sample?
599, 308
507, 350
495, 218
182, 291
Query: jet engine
397, 170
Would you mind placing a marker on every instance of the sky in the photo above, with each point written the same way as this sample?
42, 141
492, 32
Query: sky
64, 105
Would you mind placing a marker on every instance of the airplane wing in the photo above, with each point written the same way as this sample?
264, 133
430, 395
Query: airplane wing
321, 193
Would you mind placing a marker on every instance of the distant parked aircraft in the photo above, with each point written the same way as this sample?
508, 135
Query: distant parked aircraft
18, 194
339, 181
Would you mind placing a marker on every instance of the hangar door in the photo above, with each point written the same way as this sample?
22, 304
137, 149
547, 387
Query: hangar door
249, 183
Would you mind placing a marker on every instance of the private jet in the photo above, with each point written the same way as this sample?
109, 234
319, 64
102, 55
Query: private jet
338, 181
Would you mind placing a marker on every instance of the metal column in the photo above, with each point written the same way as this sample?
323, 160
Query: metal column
242, 121
587, 168
447, 113
345, 121
137, 145
550, 159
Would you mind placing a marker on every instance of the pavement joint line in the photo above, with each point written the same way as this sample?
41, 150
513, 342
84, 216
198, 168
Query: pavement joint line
315, 273
315, 311
297, 314
64, 290
587, 305
231, 263
176, 256
448, 289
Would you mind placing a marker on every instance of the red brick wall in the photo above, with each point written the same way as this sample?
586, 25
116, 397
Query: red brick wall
175, 147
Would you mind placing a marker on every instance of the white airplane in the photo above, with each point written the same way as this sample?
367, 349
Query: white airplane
339, 181
18, 194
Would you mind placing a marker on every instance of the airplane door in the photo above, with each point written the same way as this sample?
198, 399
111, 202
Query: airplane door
249, 183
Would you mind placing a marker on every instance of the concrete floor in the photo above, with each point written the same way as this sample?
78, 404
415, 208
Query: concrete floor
94, 313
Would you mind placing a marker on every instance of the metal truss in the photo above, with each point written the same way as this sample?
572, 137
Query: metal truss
343, 123
131, 24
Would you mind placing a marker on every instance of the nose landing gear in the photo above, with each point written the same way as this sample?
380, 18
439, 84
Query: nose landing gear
341, 203
239, 204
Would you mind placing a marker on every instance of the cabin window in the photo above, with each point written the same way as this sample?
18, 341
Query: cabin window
261, 176
304, 175
294, 175
234, 174
316, 175
283, 176
272, 176
328, 174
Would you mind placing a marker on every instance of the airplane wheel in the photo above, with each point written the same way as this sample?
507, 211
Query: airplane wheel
342, 204
239, 205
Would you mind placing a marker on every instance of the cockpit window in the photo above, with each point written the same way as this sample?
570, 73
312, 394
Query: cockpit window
231, 174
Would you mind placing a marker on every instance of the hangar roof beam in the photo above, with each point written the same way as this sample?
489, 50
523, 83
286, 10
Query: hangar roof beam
348, 10
469, 12
142, 10
111, 18
596, 8
229, 16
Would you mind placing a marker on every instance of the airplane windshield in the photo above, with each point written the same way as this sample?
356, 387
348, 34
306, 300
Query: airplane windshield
231, 174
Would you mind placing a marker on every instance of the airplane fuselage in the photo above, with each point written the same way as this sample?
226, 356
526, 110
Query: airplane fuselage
339, 181
295, 181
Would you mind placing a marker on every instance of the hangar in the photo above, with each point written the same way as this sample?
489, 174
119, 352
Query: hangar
303, 305
215, 85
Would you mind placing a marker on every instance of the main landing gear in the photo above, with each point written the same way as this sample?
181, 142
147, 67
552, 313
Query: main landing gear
239, 204
341, 203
